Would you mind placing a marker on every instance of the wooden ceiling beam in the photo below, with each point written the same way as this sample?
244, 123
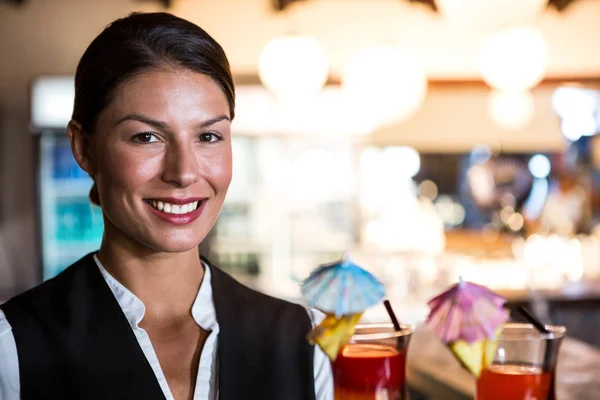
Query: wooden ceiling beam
165, 3
560, 5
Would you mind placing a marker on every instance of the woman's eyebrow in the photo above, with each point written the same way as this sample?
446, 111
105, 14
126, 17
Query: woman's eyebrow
212, 121
142, 118
162, 125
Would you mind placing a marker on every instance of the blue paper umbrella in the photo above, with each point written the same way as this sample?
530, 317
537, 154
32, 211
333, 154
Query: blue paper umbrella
342, 288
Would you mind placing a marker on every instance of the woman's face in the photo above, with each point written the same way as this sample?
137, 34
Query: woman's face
161, 157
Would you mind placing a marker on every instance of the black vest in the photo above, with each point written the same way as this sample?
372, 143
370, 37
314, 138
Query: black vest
74, 342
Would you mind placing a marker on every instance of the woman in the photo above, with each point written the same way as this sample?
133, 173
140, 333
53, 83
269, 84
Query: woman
145, 317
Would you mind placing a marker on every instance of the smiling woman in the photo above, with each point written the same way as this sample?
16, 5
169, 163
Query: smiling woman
146, 316
165, 136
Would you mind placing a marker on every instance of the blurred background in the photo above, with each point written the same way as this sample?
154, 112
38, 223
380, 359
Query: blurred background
429, 139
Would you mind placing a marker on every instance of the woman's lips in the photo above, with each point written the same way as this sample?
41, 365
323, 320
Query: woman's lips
176, 214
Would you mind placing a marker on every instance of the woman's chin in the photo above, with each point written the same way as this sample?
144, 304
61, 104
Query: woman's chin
157, 239
175, 245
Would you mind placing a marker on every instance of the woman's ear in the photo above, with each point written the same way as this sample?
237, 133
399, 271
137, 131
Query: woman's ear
80, 146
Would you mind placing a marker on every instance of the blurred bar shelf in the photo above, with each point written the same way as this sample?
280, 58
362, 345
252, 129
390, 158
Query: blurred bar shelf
580, 291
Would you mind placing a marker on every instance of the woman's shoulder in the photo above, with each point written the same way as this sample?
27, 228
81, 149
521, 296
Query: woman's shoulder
53, 291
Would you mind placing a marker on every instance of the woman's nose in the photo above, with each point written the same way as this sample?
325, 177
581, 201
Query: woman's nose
182, 167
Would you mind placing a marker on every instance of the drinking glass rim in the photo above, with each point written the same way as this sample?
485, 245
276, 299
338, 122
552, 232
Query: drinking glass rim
556, 331
406, 331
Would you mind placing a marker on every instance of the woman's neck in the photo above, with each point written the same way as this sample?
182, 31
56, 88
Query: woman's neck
167, 283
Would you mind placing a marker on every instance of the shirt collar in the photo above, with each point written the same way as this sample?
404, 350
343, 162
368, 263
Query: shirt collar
203, 309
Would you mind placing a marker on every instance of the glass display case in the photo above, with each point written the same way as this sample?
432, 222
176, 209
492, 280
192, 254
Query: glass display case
71, 226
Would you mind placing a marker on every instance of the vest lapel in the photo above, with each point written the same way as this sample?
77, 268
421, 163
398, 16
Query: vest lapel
263, 352
114, 345
234, 376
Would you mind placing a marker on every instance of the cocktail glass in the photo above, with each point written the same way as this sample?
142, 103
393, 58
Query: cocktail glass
521, 364
372, 365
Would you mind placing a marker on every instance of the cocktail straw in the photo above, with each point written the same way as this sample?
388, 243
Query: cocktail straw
392, 315
532, 320
541, 329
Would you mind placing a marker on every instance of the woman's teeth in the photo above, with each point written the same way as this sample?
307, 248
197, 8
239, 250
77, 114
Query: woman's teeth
173, 208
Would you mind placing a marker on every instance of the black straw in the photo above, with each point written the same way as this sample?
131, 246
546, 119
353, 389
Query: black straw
542, 329
392, 315
532, 320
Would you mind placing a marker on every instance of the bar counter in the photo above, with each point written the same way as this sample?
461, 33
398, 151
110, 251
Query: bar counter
433, 371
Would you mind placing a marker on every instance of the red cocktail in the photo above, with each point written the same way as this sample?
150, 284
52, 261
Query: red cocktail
522, 365
513, 381
373, 365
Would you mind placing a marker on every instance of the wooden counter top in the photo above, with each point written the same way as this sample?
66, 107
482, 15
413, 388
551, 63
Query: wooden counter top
433, 371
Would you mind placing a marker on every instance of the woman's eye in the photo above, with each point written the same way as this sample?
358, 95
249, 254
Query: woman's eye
209, 137
145, 137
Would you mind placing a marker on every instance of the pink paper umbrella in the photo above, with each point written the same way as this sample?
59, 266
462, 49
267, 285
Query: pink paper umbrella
468, 312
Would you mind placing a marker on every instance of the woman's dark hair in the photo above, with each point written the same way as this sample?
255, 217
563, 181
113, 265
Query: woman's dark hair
136, 44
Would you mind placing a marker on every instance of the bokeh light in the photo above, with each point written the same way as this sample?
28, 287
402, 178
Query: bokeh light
386, 82
293, 65
514, 60
539, 166
511, 111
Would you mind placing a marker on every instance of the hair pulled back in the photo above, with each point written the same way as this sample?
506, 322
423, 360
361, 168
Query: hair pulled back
139, 43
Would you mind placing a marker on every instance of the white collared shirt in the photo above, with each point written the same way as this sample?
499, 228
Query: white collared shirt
204, 314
